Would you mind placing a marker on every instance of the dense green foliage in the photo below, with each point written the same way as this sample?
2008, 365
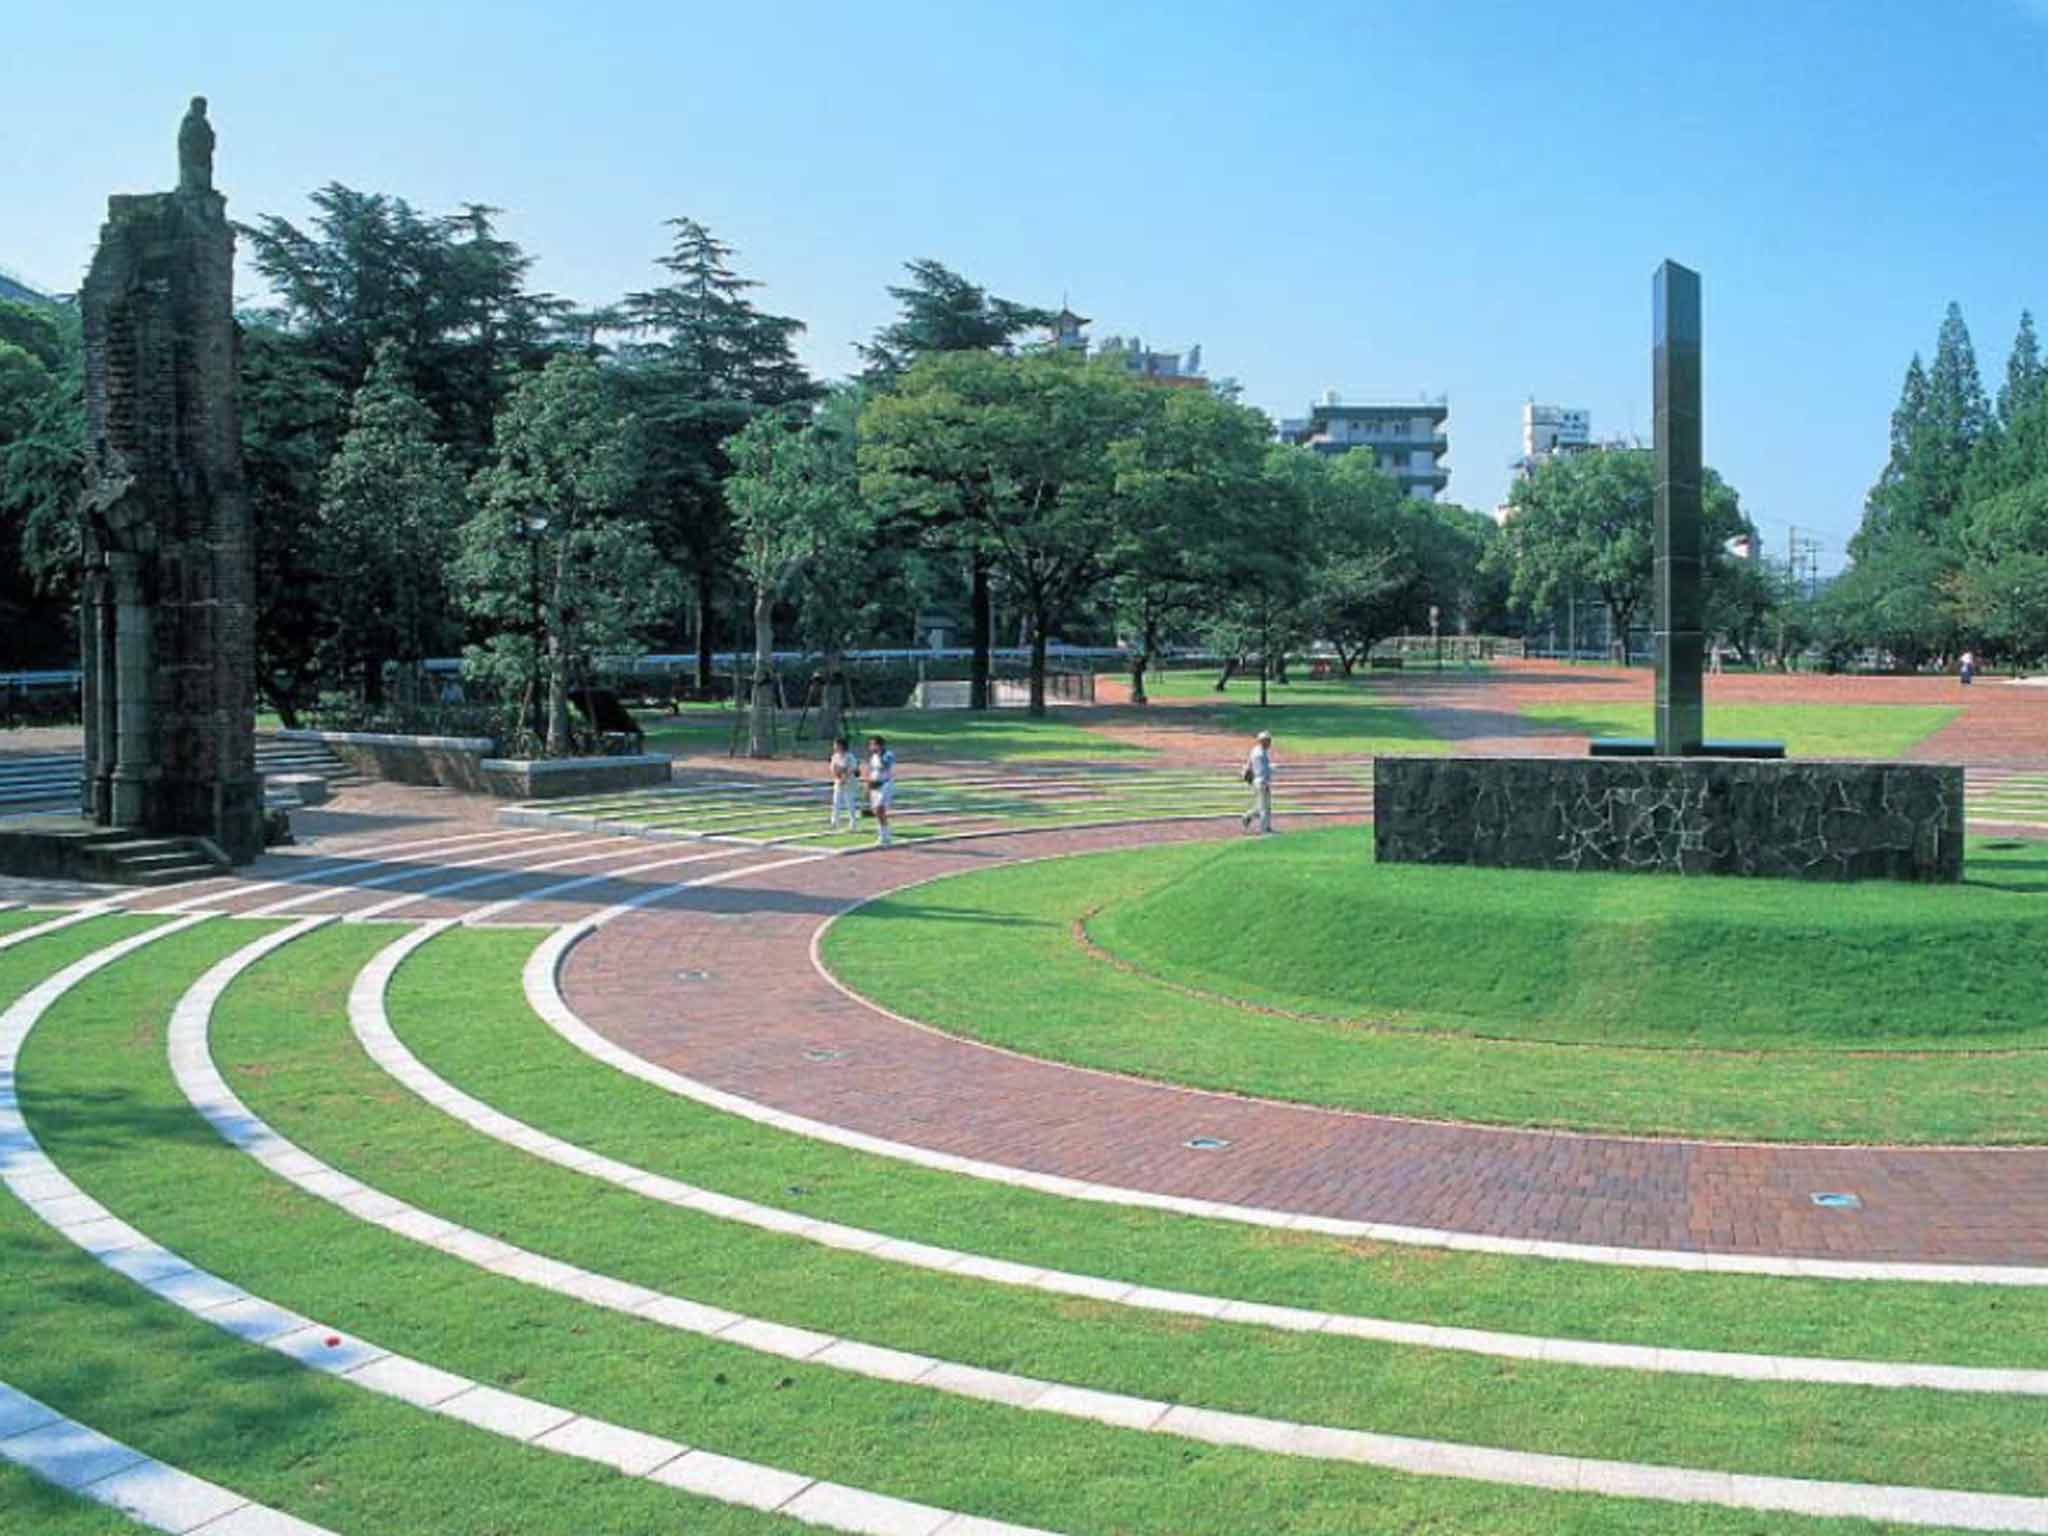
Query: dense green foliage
1952, 554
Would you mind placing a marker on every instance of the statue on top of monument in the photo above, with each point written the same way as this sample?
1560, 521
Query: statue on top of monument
195, 149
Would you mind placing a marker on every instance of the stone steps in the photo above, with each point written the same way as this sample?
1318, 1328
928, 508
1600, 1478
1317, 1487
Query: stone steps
52, 779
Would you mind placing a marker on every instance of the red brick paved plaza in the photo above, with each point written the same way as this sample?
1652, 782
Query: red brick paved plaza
746, 1022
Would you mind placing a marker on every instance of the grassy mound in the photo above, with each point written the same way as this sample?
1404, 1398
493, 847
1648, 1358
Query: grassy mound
1780, 1012
1312, 924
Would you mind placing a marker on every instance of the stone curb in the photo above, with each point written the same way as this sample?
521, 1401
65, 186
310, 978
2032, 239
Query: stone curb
211, 1096
369, 1018
83, 1461
120, 1247
223, 886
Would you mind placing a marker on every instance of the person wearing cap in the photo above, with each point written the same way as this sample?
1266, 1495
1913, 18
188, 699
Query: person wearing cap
1258, 772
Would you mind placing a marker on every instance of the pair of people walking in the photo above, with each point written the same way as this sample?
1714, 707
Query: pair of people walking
875, 775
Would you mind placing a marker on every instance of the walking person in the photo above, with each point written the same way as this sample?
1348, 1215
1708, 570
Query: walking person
879, 773
845, 786
1258, 772
1968, 670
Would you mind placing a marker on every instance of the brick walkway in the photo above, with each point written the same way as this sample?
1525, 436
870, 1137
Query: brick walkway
714, 984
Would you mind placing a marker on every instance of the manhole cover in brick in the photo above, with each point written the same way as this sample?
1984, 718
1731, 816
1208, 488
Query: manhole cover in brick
1205, 1143
825, 1055
1836, 1202
693, 975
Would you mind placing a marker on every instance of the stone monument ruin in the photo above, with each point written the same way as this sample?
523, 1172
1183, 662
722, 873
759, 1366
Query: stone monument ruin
1678, 803
165, 609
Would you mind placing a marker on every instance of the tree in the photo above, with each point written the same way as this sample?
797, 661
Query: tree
1013, 453
941, 311
391, 501
2026, 380
701, 362
1189, 477
292, 418
1589, 520
794, 506
42, 471
1936, 430
1365, 554
371, 269
550, 562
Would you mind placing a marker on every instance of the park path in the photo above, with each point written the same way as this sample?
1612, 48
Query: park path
746, 1023
715, 984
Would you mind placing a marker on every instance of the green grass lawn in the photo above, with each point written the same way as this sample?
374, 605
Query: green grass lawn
935, 735
458, 1004
1325, 718
1556, 960
1808, 730
1330, 717
96, 1089
1310, 926
938, 805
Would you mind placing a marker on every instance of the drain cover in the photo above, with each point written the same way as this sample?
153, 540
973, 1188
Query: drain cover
693, 975
1835, 1202
825, 1055
1205, 1143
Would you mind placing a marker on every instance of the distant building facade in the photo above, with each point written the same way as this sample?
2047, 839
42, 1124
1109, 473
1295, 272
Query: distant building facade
1407, 438
1069, 333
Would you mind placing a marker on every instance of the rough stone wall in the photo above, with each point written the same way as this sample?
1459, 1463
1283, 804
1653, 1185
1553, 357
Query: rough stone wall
167, 536
1692, 816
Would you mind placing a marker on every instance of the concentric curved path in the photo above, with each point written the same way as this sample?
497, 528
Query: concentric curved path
708, 983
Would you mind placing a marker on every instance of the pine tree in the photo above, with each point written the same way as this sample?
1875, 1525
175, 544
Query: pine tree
703, 362
2026, 381
941, 311
1956, 407
391, 501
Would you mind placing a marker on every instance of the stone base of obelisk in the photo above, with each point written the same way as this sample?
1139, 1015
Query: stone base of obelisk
1673, 816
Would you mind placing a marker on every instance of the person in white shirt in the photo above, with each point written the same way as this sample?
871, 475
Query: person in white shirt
845, 785
880, 774
1258, 772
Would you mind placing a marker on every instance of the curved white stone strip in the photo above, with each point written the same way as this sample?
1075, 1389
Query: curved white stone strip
523, 848
210, 1094
83, 1461
610, 850
40, 1184
346, 862
369, 1017
544, 995
62, 920
543, 991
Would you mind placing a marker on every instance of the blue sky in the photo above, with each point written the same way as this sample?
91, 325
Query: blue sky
1466, 198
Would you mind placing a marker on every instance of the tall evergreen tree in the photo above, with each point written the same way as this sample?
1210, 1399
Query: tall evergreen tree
941, 311
391, 500
370, 268
1941, 419
701, 362
1956, 407
2026, 381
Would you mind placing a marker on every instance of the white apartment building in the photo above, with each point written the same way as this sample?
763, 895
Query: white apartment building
1407, 439
1549, 429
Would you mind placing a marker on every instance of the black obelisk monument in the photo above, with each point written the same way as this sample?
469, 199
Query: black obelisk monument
1675, 362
